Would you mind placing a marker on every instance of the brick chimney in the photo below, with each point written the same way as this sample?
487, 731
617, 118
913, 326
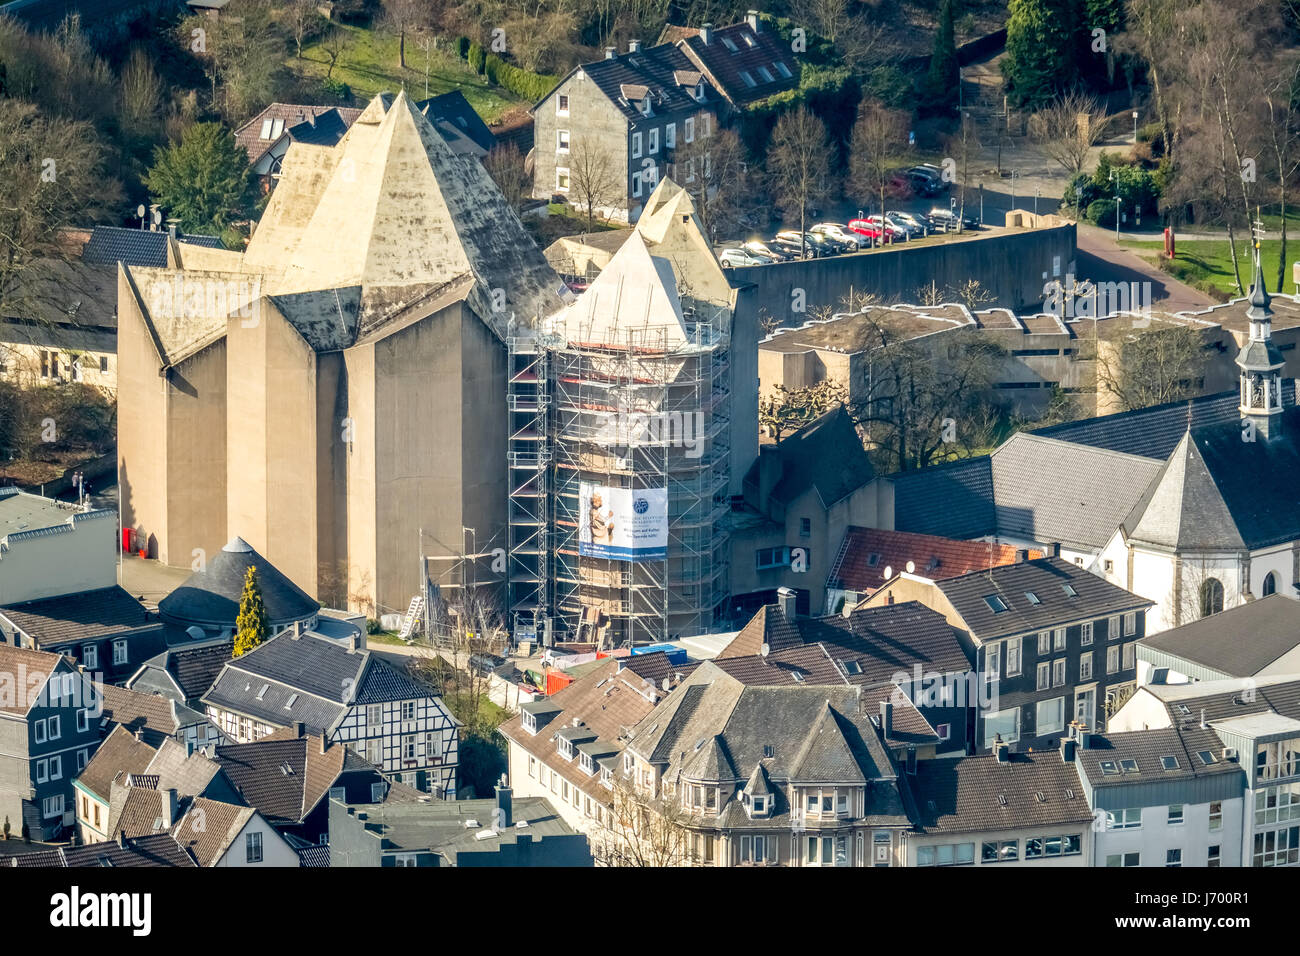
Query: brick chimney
751, 17
610, 52
169, 807
634, 46
787, 600
706, 33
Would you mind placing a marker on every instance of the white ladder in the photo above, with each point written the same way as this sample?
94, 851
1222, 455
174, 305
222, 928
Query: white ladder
413, 615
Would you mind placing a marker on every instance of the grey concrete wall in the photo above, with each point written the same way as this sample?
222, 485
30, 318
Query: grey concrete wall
1009, 265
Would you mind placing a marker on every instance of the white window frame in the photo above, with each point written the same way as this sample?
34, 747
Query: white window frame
1058, 672
1128, 656
636, 184
1112, 627
1112, 659
90, 655
54, 727
38, 731
120, 652
1130, 623
636, 145
652, 142
1058, 639
1044, 643
1085, 633
83, 721
1014, 655
562, 140
987, 743
1044, 675
562, 179
1085, 666
688, 129
1041, 727
561, 104
670, 136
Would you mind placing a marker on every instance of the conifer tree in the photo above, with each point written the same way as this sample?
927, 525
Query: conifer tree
250, 626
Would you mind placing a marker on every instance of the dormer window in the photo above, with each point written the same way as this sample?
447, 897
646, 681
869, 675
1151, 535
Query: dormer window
647, 108
699, 92
606, 778
629, 763
530, 722
565, 748
588, 765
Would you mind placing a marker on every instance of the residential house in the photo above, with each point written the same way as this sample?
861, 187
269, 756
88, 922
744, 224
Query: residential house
1255, 724
122, 752
745, 62
107, 631
526, 832
155, 849
1258, 639
1055, 644
905, 645
49, 728
1162, 797
183, 673
346, 694
793, 775
226, 835
610, 129
290, 776
158, 718
799, 499
1004, 809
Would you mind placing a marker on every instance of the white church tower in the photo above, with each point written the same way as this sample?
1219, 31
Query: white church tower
1261, 363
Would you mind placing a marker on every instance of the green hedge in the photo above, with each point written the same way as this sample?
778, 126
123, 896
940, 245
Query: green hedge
529, 86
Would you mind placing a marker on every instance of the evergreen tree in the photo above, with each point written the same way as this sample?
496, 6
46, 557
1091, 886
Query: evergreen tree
203, 181
941, 83
250, 626
1041, 59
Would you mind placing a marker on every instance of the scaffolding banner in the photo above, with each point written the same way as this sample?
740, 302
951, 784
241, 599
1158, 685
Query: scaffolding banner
623, 524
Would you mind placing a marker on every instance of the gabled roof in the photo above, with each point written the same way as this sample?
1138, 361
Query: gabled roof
287, 117
976, 794
77, 617
189, 774
1048, 490
626, 79
1150, 756
210, 596
826, 756
284, 777
120, 752
1050, 580
153, 716
866, 554
156, 849
36, 668
825, 455
1183, 510
209, 827
1238, 642
954, 500
768, 626
182, 673
735, 52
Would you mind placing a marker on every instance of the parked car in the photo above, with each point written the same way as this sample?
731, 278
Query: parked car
948, 219
916, 225
804, 244
485, 664
900, 185
934, 177
867, 229
731, 258
837, 233
760, 248
893, 229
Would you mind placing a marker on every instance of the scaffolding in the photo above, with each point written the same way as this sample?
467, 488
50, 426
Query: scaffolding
648, 410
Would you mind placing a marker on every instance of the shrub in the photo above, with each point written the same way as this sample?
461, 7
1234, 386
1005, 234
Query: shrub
477, 57
336, 89
373, 626
1102, 212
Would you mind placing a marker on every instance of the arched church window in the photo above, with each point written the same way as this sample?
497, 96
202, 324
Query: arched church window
1270, 583
1211, 597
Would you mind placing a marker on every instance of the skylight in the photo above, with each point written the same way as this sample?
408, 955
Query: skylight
290, 702
1069, 589
873, 560
995, 603
262, 691
749, 80
852, 667
783, 69
1032, 598
726, 41
766, 74
1108, 768
1128, 766
1169, 763
1207, 757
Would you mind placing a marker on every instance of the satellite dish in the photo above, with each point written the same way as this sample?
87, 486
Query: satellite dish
140, 211
764, 650
911, 566
667, 683
157, 217
889, 572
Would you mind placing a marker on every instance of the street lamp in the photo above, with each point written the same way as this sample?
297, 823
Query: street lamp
1119, 200
1015, 174
1135, 127
1078, 202
981, 203
1036, 191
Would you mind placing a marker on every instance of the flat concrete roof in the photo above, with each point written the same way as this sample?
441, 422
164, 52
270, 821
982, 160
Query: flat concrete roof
20, 511
848, 333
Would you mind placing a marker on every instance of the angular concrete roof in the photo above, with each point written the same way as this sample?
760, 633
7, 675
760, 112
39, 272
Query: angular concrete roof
392, 208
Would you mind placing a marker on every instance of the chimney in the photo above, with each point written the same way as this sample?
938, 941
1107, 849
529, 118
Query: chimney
751, 17
355, 644
324, 744
1022, 555
889, 597
1085, 739
299, 729
1067, 749
121, 839
1054, 549
786, 599
634, 46
168, 807
886, 718
297, 631
505, 805
610, 52
706, 32
1001, 750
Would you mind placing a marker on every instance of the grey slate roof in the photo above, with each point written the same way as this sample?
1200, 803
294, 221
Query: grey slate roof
952, 500
187, 671
1182, 509
1238, 642
1149, 750
652, 69
826, 454
1155, 432
1049, 490
1045, 578
976, 794
77, 617
109, 245
211, 595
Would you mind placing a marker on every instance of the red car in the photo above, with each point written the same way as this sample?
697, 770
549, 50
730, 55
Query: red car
865, 227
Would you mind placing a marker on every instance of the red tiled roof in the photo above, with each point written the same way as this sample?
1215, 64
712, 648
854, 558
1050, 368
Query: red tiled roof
867, 553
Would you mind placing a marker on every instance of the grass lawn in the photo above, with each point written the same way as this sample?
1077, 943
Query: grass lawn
385, 637
1209, 261
369, 66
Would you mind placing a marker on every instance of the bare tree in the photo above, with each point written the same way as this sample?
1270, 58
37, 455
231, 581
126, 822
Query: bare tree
789, 409
302, 18
644, 830
141, 93
337, 42
964, 145
1142, 366
402, 17
595, 181
714, 172
505, 165
858, 40
798, 164
1280, 98
879, 137
1068, 128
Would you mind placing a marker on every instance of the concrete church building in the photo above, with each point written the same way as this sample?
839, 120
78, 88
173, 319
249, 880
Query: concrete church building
336, 392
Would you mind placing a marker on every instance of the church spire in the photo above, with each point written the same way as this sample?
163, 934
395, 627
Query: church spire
1259, 359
